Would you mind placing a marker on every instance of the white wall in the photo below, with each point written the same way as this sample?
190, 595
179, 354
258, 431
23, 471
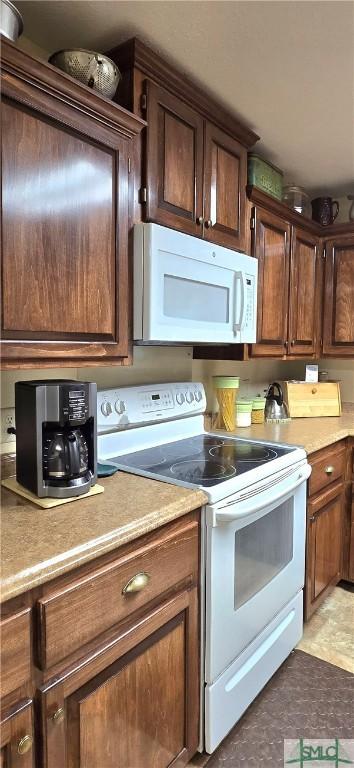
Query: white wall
152, 364
162, 364
256, 375
343, 371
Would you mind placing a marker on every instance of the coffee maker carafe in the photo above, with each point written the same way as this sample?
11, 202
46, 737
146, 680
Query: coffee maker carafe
56, 437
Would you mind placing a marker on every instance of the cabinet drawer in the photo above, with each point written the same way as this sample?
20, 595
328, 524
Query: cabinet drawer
15, 651
80, 611
327, 466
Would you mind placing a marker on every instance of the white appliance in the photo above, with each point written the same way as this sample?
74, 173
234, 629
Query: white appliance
253, 535
187, 290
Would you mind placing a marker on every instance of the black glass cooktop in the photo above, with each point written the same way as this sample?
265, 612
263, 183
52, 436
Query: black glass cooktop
204, 460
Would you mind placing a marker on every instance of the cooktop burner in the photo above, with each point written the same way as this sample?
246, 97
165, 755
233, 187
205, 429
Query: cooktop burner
204, 460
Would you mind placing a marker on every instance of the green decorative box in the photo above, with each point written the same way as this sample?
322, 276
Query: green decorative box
265, 176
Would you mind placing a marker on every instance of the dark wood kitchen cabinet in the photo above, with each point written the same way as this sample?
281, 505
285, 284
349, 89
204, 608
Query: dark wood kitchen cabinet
338, 317
225, 178
174, 162
304, 293
17, 738
137, 707
65, 187
289, 287
193, 154
325, 524
115, 674
271, 246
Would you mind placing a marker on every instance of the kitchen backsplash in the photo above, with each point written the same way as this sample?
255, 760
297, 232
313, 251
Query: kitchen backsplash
161, 364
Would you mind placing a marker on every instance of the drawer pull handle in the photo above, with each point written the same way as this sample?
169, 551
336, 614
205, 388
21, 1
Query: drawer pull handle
25, 744
329, 470
58, 715
137, 583
314, 390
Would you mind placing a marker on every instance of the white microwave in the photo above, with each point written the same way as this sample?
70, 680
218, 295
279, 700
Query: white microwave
187, 290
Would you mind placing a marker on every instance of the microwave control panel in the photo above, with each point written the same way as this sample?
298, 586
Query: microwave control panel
249, 316
133, 406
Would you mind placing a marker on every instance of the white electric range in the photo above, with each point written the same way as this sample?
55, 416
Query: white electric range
253, 534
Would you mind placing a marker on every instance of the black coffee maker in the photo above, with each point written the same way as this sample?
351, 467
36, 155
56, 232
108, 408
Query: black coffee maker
56, 436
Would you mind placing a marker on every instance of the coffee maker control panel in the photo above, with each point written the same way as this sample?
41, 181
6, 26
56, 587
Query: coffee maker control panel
75, 405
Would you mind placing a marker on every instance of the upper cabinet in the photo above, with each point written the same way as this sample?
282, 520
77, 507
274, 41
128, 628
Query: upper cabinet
174, 162
289, 288
225, 178
304, 293
338, 319
65, 216
271, 246
193, 154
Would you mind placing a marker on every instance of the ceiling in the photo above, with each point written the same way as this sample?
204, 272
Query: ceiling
285, 67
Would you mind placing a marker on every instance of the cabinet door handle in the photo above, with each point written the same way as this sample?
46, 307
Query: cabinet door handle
208, 223
137, 583
24, 744
314, 390
329, 470
312, 519
293, 342
58, 715
200, 220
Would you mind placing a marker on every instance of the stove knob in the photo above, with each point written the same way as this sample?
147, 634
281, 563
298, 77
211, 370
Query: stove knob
189, 397
198, 395
106, 408
180, 398
119, 406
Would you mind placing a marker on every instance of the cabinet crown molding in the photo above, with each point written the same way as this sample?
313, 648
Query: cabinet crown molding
278, 208
134, 53
43, 76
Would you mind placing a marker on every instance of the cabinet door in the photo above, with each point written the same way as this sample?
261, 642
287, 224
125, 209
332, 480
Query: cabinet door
139, 710
64, 235
324, 545
271, 246
305, 293
225, 178
338, 309
351, 550
17, 749
174, 158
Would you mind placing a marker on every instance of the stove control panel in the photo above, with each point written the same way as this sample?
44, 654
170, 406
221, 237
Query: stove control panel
125, 407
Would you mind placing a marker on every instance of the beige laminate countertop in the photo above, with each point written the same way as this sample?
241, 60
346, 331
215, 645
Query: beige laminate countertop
38, 544
312, 434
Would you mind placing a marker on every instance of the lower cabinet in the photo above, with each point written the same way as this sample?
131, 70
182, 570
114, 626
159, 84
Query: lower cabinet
17, 750
324, 543
110, 655
351, 554
325, 523
133, 705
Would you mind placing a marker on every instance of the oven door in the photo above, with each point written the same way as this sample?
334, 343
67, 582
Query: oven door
188, 291
255, 565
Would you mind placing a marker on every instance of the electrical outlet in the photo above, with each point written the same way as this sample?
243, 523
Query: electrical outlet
7, 420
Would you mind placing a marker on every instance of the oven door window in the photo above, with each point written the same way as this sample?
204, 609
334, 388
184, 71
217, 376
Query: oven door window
262, 550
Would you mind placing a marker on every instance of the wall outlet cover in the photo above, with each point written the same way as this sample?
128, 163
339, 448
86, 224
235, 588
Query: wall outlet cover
7, 420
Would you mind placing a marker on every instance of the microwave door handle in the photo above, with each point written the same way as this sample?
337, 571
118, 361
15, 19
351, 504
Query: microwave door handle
238, 276
245, 509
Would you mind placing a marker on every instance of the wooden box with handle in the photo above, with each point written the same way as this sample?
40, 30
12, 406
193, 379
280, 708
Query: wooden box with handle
312, 399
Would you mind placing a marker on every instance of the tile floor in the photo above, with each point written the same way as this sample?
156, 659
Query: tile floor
329, 635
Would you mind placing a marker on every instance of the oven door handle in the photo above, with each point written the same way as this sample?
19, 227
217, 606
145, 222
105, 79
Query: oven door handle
246, 508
